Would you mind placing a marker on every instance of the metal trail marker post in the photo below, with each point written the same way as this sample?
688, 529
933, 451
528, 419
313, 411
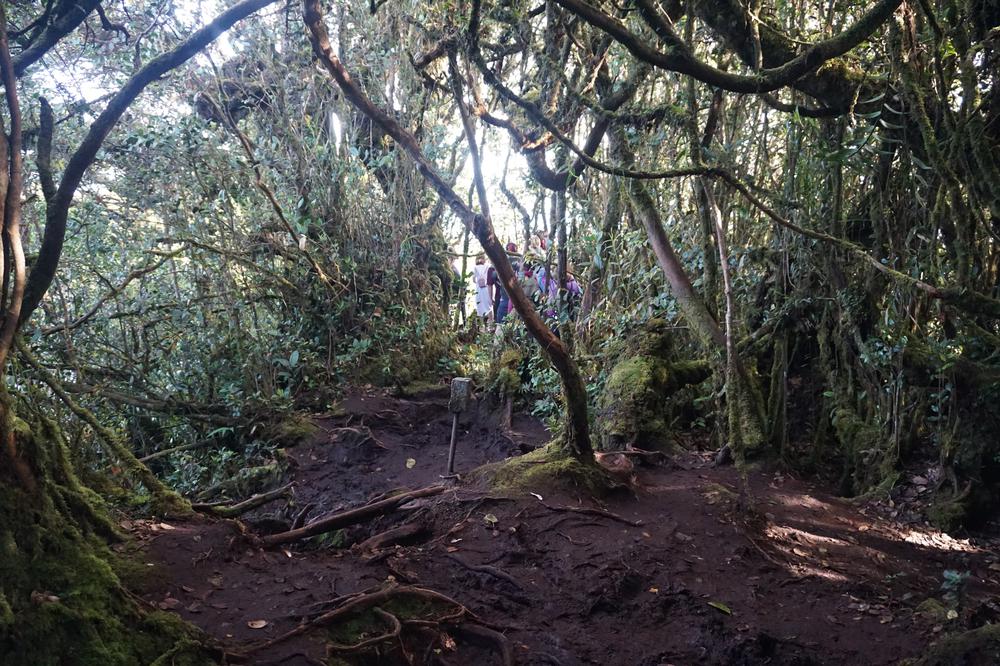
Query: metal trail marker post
461, 392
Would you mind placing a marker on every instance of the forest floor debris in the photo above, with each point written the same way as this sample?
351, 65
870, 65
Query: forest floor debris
672, 573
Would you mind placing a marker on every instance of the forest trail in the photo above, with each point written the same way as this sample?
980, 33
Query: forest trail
668, 575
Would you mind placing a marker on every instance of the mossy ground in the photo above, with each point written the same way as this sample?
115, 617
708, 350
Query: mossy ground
548, 467
978, 646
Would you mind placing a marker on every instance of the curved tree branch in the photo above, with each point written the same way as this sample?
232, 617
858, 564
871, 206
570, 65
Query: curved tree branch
679, 58
53, 32
12, 275
43, 152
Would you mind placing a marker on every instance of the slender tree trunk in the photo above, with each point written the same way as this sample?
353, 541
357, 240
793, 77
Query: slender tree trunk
463, 290
595, 278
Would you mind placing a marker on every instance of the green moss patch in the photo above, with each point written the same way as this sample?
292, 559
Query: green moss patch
633, 409
549, 467
979, 646
292, 430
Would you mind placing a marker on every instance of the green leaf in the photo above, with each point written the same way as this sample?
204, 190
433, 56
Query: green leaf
718, 605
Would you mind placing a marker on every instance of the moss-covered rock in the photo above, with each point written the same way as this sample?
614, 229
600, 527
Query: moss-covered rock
291, 430
632, 409
863, 444
505, 375
932, 610
948, 514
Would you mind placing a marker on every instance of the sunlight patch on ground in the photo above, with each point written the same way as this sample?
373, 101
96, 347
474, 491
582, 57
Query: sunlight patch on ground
825, 574
800, 501
938, 540
793, 534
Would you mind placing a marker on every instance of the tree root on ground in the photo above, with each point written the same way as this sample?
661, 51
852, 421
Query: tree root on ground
593, 512
392, 634
484, 568
407, 533
457, 620
359, 435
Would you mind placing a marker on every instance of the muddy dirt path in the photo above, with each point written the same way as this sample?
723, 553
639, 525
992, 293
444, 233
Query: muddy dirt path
667, 574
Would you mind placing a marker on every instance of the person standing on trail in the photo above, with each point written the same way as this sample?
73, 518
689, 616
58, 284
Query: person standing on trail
504, 306
493, 283
484, 305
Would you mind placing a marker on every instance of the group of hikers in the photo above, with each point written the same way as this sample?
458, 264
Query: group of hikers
538, 282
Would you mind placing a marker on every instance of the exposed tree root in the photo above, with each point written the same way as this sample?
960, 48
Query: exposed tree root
392, 634
359, 435
403, 533
485, 568
351, 516
594, 512
365, 602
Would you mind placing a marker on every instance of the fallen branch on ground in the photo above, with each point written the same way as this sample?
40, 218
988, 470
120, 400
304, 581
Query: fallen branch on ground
351, 516
249, 504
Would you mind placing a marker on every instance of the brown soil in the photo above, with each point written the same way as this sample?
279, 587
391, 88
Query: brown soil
804, 579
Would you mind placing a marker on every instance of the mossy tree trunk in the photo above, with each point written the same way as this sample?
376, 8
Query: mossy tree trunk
61, 600
742, 391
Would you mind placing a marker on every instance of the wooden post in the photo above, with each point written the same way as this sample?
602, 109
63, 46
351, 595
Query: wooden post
461, 391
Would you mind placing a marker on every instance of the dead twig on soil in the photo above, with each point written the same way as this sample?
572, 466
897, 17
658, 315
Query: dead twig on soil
300, 517
351, 516
593, 512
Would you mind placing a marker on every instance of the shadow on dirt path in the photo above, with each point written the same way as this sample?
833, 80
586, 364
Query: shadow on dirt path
669, 574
